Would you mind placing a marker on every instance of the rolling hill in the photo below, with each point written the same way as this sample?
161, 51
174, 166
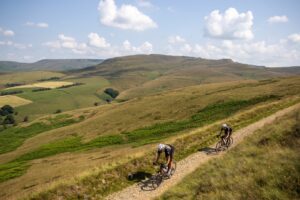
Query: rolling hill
141, 75
48, 65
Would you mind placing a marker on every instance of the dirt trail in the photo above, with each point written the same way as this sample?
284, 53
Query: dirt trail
192, 162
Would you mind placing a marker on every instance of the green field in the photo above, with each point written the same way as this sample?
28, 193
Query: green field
266, 166
47, 102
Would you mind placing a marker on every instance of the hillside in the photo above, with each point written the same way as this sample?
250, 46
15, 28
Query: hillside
34, 156
48, 65
141, 75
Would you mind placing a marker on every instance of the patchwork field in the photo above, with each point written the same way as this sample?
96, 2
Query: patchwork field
47, 84
14, 101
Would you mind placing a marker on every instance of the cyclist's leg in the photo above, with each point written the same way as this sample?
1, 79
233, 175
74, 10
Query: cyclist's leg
223, 140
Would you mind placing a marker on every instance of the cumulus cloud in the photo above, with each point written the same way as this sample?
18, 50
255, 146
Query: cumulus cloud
6, 32
175, 39
145, 48
294, 37
38, 25
67, 42
97, 41
278, 19
126, 17
15, 45
286, 52
230, 25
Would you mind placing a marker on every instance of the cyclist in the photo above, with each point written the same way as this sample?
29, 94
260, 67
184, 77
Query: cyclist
227, 133
169, 154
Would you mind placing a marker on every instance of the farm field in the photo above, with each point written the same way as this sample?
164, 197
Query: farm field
48, 84
14, 101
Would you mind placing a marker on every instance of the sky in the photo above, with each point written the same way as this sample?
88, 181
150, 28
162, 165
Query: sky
248, 31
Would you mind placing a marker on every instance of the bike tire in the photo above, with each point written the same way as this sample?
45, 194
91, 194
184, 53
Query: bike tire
173, 169
229, 143
218, 147
156, 181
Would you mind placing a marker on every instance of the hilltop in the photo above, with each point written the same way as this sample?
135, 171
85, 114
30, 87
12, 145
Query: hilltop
48, 65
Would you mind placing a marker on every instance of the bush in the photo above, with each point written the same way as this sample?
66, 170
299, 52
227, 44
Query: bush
6, 110
41, 89
9, 119
96, 104
26, 119
58, 111
111, 92
10, 92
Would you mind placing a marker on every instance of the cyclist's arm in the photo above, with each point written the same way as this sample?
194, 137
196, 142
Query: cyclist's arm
157, 157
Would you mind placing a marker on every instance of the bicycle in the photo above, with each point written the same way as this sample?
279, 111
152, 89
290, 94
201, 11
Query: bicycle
161, 174
220, 146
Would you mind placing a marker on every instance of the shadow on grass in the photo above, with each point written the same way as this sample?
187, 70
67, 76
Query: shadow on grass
208, 150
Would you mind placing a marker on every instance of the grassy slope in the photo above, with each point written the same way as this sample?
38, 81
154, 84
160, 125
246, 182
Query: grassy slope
149, 74
178, 99
27, 77
115, 179
47, 102
266, 166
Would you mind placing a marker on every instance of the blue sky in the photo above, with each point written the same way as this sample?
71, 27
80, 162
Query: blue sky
250, 31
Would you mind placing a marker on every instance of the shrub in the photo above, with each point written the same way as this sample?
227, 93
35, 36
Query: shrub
111, 92
10, 92
6, 110
26, 118
96, 104
58, 111
9, 119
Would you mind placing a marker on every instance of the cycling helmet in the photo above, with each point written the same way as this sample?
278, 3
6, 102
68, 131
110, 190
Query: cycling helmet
224, 125
160, 147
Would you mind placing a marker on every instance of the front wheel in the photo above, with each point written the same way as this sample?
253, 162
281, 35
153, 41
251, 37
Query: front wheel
173, 168
229, 142
218, 146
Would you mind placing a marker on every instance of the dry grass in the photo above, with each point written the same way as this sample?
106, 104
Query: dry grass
266, 166
27, 77
14, 101
48, 84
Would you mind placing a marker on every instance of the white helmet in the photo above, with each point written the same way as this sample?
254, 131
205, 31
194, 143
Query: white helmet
161, 147
224, 125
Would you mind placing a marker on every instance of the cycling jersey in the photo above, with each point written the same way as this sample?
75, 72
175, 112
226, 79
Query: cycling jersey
227, 130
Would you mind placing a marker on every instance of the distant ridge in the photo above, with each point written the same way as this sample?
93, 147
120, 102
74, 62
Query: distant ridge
48, 65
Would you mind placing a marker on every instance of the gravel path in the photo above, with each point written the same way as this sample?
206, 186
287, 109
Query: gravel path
192, 162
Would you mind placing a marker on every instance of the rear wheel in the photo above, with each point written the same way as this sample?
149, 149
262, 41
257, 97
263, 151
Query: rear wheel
156, 181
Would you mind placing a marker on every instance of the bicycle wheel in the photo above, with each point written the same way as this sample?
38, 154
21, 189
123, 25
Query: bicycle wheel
173, 169
229, 142
156, 181
218, 146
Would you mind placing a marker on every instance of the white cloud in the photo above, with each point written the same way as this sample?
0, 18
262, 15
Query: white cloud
286, 52
230, 25
97, 41
145, 48
6, 32
175, 39
52, 44
38, 25
294, 37
126, 17
278, 19
15, 45
67, 42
